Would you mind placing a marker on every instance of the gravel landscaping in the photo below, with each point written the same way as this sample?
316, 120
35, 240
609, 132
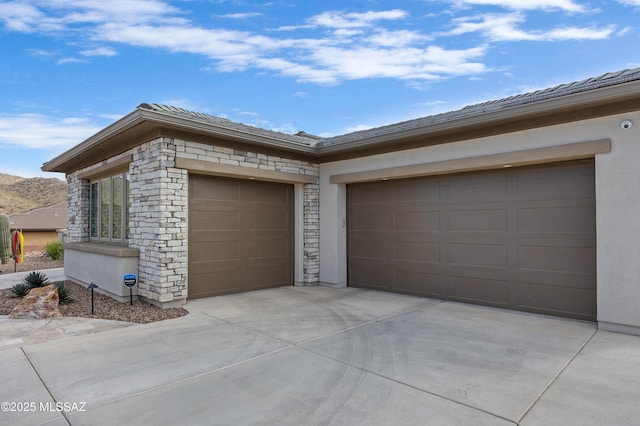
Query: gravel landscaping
104, 306
32, 262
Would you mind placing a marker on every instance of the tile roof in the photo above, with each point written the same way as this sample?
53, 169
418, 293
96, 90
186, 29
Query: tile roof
41, 219
299, 138
605, 80
309, 144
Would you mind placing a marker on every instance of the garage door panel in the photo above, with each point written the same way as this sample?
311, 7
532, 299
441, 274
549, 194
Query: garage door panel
268, 220
372, 249
270, 274
477, 220
422, 283
478, 290
258, 192
558, 259
416, 221
240, 235
369, 276
412, 191
203, 236
215, 266
268, 248
482, 237
556, 183
556, 219
473, 187
218, 220
555, 279
206, 188
580, 303
417, 251
208, 284
378, 194
371, 219
491, 255
219, 250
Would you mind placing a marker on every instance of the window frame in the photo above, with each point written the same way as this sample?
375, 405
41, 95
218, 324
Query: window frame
97, 219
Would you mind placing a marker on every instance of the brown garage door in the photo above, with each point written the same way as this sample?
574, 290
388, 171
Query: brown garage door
517, 238
240, 235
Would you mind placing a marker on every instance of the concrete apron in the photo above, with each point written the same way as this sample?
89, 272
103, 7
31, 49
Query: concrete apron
318, 355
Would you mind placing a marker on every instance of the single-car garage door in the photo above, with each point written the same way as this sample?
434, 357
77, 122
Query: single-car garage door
240, 235
517, 238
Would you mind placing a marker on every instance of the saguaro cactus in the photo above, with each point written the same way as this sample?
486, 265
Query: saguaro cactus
5, 239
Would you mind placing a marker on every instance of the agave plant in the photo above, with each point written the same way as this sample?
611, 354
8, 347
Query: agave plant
20, 289
36, 279
64, 293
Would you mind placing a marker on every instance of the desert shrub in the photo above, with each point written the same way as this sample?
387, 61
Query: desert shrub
21, 289
35, 279
54, 249
64, 292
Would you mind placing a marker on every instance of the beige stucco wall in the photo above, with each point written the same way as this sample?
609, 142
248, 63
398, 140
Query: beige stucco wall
104, 270
617, 194
36, 240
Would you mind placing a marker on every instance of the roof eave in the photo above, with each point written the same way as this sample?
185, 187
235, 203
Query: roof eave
140, 115
127, 122
165, 119
572, 101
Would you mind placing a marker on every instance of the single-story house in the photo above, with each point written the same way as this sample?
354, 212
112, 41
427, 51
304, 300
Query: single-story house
528, 203
40, 225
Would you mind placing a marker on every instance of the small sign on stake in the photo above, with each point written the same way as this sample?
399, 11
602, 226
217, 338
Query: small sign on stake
130, 280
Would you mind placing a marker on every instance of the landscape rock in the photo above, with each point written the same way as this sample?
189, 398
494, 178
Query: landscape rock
40, 303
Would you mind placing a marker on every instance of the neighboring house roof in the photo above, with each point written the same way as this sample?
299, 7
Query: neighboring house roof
608, 94
48, 218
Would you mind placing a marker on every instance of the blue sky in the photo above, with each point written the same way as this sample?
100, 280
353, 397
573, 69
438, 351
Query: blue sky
69, 68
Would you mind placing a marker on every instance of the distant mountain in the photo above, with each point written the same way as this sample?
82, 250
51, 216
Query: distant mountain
18, 194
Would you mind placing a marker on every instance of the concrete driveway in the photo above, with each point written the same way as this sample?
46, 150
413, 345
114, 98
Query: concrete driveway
316, 355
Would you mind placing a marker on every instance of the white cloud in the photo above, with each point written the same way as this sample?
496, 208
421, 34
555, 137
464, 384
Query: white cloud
241, 15
505, 27
44, 132
630, 2
99, 51
344, 46
40, 53
339, 19
567, 5
68, 60
397, 38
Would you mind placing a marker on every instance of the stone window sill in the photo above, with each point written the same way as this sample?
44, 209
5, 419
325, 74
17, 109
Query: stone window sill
103, 248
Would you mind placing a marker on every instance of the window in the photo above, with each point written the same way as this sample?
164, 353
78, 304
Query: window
109, 208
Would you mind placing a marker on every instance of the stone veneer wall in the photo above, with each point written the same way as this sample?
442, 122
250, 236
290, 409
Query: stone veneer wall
159, 210
311, 228
158, 221
78, 193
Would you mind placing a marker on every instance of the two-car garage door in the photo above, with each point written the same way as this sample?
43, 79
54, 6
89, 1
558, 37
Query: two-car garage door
518, 238
240, 235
